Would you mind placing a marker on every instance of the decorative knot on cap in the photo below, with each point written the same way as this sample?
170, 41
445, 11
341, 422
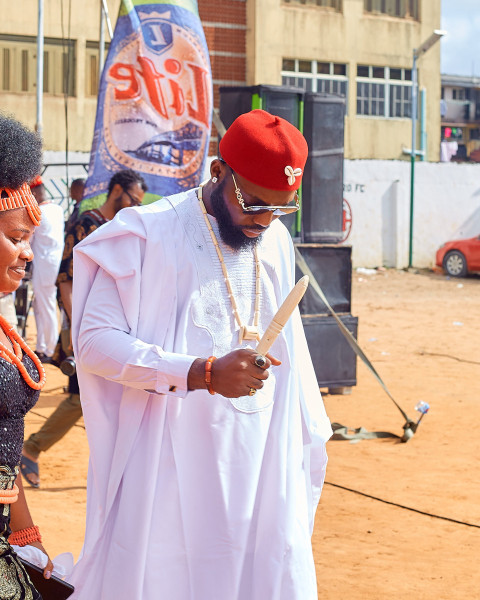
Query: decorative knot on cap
292, 174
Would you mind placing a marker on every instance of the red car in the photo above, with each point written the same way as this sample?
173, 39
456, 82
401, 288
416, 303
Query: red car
460, 257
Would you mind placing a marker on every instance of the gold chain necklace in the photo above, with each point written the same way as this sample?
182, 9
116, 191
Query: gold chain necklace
247, 332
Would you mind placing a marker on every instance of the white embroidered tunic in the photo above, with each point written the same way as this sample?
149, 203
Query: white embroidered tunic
191, 496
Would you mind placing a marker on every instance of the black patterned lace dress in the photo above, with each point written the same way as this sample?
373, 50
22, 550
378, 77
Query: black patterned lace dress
16, 399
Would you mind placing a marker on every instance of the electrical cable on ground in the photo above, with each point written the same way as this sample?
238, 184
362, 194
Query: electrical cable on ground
421, 512
464, 360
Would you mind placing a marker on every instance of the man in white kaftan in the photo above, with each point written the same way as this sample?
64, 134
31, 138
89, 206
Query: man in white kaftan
47, 246
194, 496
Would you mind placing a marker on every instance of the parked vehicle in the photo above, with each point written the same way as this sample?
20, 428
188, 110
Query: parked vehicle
460, 257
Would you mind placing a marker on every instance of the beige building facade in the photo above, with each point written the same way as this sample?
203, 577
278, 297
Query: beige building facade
71, 63
361, 48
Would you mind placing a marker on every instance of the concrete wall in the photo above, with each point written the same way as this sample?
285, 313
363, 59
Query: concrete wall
446, 194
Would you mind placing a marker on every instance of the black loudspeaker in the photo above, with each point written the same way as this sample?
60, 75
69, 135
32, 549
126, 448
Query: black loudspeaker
322, 197
283, 101
332, 268
333, 359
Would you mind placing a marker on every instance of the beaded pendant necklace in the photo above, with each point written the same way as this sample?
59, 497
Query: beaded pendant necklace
247, 332
15, 357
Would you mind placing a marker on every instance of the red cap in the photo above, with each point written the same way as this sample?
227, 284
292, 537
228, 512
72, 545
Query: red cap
266, 150
37, 181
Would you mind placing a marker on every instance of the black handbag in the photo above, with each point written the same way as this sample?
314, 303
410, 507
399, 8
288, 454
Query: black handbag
50, 589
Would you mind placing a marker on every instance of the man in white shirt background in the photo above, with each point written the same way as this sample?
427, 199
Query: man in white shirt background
47, 246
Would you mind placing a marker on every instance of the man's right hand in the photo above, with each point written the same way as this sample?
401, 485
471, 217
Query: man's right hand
233, 375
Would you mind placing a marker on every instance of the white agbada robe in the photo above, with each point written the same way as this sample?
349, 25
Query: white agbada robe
191, 496
47, 246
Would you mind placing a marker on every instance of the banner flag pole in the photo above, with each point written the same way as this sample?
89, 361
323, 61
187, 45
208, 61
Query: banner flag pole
155, 101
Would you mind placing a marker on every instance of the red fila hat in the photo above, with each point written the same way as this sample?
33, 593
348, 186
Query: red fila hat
266, 150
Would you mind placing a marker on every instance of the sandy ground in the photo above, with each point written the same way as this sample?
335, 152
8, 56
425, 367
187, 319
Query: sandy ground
420, 330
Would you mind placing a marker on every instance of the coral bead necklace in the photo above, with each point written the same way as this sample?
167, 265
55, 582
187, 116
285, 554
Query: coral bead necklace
15, 357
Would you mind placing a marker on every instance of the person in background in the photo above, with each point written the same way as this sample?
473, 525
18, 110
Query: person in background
21, 373
76, 194
206, 459
126, 188
47, 246
7, 309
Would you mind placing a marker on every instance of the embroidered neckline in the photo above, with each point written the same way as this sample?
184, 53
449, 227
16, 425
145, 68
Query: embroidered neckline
247, 332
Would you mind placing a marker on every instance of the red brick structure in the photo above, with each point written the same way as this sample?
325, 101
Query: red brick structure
225, 25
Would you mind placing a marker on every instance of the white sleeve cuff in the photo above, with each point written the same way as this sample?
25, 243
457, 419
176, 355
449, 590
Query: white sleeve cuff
173, 376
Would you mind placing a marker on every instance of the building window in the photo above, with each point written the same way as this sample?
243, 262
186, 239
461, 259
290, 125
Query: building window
91, 63
25, 70
458, 93
401, 101
335, 5
404, 9
46, 72
6, 69
59, 67
475, 134
384, 92
18, 67
370, 99
315, 76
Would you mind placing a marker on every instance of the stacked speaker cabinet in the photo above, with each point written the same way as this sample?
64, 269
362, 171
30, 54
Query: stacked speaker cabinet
319, 230
283, 101
333, 359
322, 183
331, 264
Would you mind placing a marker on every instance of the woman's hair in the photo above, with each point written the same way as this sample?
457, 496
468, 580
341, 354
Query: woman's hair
20, 153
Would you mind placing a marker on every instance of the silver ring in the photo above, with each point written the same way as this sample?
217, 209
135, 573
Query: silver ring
260, 361
252, 392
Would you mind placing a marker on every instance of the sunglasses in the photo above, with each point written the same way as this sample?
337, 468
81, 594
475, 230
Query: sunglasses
133, 201
258, 210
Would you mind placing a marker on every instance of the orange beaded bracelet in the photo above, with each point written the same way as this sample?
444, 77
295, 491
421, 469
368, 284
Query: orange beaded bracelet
9, 496
25, 536
208, 374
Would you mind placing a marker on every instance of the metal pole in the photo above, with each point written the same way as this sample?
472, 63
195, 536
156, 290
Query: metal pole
412, 158
423, 124
101, 53
38, 124
109, 24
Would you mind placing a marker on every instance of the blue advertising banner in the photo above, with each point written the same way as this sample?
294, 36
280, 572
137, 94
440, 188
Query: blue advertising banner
155, 100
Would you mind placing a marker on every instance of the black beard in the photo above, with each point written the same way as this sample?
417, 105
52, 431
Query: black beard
231, 234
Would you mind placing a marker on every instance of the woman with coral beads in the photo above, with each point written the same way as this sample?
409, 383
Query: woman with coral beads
21, 372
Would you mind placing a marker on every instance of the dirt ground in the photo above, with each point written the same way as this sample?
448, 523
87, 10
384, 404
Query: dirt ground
372, 539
